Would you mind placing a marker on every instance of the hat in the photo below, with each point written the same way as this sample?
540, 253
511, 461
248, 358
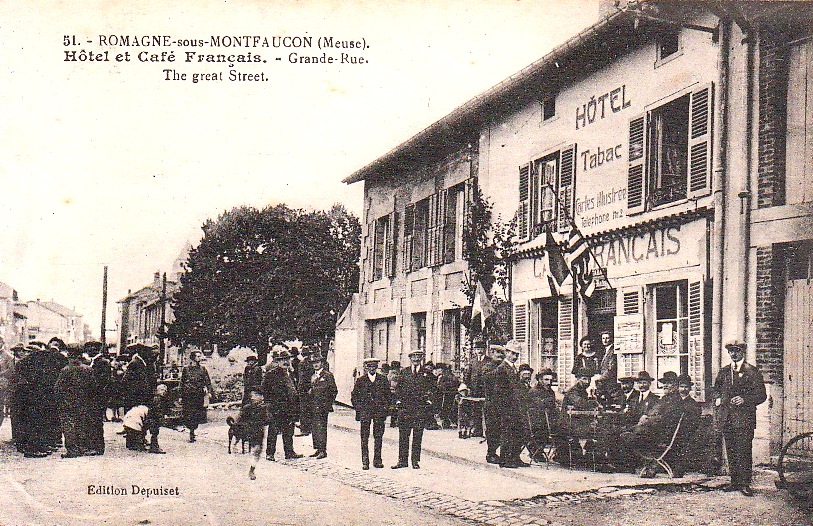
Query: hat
417, 352
684, 379
669, 377
525, 367
514, 346
736, 346
251, 358
93, 347
368, 361
580, 372
627, 379
478, 344
36, 346
282, 355
58, 342
495, 347
547, 371
304, 351
643, 376
462, 387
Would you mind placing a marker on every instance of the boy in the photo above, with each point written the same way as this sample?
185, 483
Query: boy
135, 427
252, 419
155, 417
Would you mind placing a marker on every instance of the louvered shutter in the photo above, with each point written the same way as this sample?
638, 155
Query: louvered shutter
524, 211
697, 337
369, 245
521, 322
635, 169
567, 179
565, 347
534, 193
630, 316
449, 226
391, 250
380, 248
419, 234
409, 226
700, 122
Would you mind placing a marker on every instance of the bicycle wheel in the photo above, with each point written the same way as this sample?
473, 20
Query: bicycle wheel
796, 465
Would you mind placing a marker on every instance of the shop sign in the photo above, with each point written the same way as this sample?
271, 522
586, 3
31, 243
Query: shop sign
628, 334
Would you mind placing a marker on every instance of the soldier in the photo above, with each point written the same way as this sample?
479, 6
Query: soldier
280, 398
490, 410
414, 401
322, 395
195, 384
739, 388
371, 399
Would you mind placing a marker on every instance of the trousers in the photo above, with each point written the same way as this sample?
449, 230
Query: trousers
377, 423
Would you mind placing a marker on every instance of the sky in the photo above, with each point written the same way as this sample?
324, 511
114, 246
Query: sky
107, 163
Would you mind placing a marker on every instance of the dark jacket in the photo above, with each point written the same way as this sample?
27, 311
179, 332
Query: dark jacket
371, 399
474, 377
640, 407
139, 384
279, 395
413, 395
252, 379
591, 363
487, 376
323, 391
507, 392
748, 384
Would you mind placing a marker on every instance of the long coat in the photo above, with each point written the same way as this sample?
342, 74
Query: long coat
414, 396
139, 383
280, 395
508, 395
252, 379
322, 392
76, 391
194, 383
371, 399
748, 384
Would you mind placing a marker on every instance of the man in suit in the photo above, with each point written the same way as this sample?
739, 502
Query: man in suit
280, 399
606, 382
304, 372
490, 409
646, 399
414, 401
371, 399
474, 380
739, 388
322, 394
508, 397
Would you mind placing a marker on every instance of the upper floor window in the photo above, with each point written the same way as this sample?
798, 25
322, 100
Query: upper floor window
548, 106
667, 44
546, 193
669, 152
380, 245
433, 229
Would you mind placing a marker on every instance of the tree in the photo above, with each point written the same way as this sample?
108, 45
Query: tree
271, 275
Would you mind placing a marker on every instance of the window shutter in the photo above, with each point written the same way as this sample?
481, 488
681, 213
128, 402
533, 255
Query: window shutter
700, 116
697, 355
534, 193
524, 211
409, 225
370, 251
567, 179
380, 248
521, 322
635, 168
391, 254
449, 217
629, 305
565, 361
419, 234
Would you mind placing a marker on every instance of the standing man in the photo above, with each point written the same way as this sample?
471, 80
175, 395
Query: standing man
280, 399
414, 400
371, 399
102, 373
322, 394
607, 392
491, 413
76, 393
252, 377
739, 389
195, 383
474, 380
304, 371
508, 396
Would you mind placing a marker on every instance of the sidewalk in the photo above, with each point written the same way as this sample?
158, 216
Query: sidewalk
459, 467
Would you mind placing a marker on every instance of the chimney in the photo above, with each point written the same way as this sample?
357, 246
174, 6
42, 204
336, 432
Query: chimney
608, 7
156, 280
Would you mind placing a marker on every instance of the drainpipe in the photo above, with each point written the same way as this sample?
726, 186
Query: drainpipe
719, 182
745, 192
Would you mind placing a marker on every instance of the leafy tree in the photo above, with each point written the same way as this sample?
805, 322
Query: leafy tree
270, 275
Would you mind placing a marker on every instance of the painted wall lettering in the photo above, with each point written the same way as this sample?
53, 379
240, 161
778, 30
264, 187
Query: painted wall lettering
600, 156
638, 247
597, 107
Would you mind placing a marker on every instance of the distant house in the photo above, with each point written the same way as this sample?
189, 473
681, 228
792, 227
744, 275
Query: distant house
13, 321
48, 319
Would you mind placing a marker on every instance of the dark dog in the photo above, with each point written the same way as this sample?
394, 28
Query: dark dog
236, 433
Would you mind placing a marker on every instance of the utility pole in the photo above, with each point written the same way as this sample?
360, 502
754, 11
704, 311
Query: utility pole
104, 311
162, 329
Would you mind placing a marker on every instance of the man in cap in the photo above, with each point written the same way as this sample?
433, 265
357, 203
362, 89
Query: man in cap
322, 395
252, 377
491, 413
542, 413
474, 381
413, 403
195, 384
371, 400
738, 389
281, 400
508, 398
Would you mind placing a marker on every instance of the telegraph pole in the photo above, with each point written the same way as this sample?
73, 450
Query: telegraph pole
162, 330
104, 311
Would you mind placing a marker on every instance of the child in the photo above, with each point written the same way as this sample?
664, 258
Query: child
465, 424
135, 427
252, 419
160, 407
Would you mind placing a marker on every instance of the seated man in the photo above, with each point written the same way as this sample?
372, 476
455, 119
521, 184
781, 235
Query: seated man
541, 413
576, 427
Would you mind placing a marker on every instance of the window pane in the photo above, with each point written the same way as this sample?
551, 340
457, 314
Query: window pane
666, 302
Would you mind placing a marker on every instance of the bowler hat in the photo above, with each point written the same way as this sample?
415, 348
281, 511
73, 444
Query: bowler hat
643, 376
684, 379
525, 367
669, 377
736, 346
251, 358
547, 371
626, 379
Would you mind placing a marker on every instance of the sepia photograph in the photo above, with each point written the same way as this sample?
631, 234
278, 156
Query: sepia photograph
499, 262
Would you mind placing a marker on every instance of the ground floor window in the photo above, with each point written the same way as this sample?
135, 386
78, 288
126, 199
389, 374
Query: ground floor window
671, 327
543, 333
451, 336
418, 339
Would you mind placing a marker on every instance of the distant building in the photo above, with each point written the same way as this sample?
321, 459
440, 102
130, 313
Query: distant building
13, 321
48, 319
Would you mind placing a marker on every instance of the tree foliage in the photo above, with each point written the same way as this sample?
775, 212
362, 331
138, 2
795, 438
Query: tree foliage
275, 274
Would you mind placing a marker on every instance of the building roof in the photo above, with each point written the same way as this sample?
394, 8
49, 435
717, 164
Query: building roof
59, 309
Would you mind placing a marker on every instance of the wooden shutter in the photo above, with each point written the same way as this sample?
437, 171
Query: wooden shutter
697, 332
565, 351
524, 211
701, 110
521, 322
369, 246
434, 242
391, 250
567, 179
534, 194
419, 234
449, 226
630, 311
635, 169
380, 247
409, 226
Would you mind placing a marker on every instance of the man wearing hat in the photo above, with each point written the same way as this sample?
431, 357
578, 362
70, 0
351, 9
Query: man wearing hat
413, 403
491, 413
304, 372
281, 400
739, 388
646, 399
508, 399
195, 384
102, 374
474, 380
75, 390
252, 377
322, 395
371, 400
629, 396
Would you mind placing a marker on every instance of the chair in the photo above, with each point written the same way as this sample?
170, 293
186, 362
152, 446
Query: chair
658, 456
580, 435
